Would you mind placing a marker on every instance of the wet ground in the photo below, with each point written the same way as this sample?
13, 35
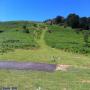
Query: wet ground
27, 66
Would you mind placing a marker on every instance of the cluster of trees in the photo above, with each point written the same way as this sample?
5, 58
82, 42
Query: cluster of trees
72, 20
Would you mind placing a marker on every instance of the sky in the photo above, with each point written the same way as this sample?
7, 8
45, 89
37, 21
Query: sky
39, 10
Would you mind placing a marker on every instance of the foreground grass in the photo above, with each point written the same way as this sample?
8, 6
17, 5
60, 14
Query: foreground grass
74, 79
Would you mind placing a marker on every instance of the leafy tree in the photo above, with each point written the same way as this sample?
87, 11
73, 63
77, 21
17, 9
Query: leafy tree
35, 25
25, 29
88, 19
84, 23
59, 19
73, 20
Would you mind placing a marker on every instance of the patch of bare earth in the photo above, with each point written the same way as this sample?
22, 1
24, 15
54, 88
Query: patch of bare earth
62, 67
85, 81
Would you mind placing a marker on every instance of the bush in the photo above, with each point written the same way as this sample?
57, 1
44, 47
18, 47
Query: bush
25, 29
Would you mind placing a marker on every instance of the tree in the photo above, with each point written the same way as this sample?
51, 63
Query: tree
84, 23
88, 19
25, 29
59, 19
73, 20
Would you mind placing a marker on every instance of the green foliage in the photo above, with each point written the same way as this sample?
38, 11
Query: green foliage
11, 36
15, 25
59, 20
37, 34
35, 25
73, 20
84, 23
16, 40
66, 39
86, 37
25, 29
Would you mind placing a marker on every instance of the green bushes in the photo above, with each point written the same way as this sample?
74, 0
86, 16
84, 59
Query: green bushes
37, 34
25, 29
19, 35
86, 37
67, 40
16, 40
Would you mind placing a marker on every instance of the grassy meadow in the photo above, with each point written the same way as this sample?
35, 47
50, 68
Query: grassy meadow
46, 44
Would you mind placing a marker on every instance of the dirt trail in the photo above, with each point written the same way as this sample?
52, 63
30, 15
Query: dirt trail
41, 41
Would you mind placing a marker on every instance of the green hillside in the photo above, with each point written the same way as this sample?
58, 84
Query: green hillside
45, 44
67, 39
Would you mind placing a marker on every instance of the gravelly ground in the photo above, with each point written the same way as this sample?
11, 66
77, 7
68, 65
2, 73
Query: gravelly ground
27, 66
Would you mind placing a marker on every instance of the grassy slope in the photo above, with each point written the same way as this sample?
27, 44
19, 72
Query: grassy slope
66, 39
46, 54
28, 80
11, 40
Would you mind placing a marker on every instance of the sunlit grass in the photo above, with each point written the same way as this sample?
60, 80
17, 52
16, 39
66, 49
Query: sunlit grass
76, 78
